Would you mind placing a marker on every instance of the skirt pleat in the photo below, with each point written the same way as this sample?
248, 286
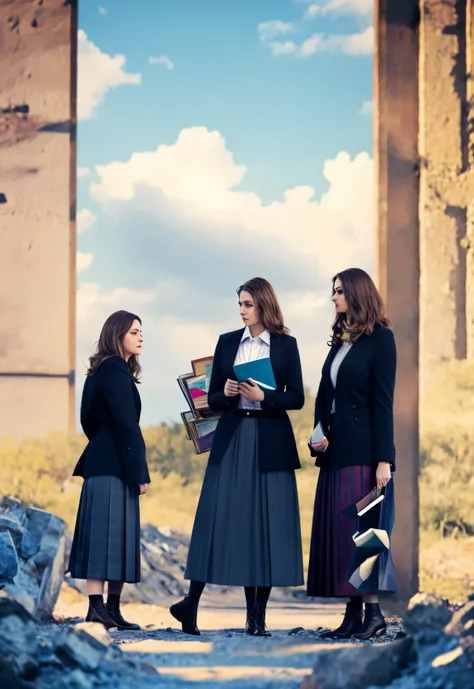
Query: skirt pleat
247, 526
106, 543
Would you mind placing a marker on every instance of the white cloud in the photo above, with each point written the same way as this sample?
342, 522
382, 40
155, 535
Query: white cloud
82, 172
195, 229
361, 43
163, 60
367, 108
272, 29
327, 7
83, 261
85, 219
361, 7
102, 10
350, 44
98, 73
282, 48
195, 180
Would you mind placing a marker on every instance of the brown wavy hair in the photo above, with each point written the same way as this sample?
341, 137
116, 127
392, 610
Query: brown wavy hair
365, 306
110, 342
267, 304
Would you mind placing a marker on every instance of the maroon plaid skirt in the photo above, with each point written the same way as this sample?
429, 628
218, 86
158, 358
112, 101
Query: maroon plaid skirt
331, 538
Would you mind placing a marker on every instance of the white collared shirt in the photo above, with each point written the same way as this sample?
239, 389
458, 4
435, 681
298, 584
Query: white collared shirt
251, 349
341, 354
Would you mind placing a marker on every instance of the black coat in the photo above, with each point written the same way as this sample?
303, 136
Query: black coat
277, 447
110, 415
361, 431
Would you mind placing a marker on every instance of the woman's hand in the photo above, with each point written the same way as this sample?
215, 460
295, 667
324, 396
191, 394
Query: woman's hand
322, 446
231, 388
251, 391
383, 474
143, 488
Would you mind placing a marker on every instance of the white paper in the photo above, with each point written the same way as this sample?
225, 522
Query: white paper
317, 435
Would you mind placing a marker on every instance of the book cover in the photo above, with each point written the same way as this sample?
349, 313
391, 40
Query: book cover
376, 539
259, 370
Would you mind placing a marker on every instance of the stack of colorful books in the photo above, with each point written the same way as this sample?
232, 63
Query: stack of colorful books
200, 422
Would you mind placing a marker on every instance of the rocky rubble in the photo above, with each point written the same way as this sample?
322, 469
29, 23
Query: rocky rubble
32, 556
80, 657
435, 651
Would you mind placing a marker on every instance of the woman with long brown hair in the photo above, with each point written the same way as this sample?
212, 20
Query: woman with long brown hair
106, 544
247, 527
354, 406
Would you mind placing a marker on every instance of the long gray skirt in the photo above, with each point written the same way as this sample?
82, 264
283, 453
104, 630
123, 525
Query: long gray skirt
106, 542
247, 526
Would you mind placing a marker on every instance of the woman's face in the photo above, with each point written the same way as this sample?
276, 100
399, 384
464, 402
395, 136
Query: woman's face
132, 341
339, 299
248, 309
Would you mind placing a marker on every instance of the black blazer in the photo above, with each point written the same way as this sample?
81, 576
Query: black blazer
110, 414
277, 447
361, 431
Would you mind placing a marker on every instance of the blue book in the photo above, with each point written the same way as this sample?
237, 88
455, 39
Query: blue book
259, 370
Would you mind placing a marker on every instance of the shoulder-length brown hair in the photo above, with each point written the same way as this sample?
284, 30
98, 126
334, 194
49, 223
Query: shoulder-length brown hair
267, 304
364, 302
110, 342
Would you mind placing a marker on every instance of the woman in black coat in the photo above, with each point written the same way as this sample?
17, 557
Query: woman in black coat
247, 528
354, 406
106, 544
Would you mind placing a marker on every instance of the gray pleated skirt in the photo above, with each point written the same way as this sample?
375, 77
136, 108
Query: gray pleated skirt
247, 526
106, 542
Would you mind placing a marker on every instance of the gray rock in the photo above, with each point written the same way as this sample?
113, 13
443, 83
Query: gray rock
37, 522
9, 678
75, 680
21, 596
27, 666
13, 508
11, 524
8, 558
462, 623
80, 649
358, 667
426, 611
27, 579
29, 545
17, 628
32, 556
50, 557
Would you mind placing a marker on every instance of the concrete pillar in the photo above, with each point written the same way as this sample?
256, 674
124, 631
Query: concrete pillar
446, 183
38, 46
469, 242
396, 160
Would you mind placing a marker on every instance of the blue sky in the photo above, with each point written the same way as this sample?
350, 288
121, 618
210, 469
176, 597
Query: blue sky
261, 95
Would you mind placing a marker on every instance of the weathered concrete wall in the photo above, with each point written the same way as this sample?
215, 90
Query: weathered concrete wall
37, 216
397, 256
446, 183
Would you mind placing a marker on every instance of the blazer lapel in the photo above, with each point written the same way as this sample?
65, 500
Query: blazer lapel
276, 345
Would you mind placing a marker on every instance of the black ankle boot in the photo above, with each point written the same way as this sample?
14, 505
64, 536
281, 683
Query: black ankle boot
351, 624
251, 623
260, 623
374, 623
98, 613
186, 612
113, 608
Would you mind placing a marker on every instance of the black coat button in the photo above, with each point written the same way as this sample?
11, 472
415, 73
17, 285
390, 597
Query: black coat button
354, 406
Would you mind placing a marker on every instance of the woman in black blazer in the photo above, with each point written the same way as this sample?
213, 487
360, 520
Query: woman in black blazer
354, 405
247, 528
106, 544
